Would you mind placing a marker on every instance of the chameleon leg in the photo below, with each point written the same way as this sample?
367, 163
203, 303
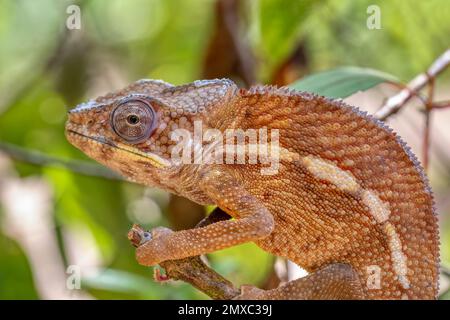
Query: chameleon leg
335, 281
194, 271
253, 222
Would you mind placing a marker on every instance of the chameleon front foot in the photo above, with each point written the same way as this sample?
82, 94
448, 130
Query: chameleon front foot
138, 236
152, 246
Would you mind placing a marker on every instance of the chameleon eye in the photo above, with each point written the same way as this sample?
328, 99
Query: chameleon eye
133, 120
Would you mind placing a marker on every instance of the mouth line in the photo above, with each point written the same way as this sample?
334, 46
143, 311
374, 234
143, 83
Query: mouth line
113, 145
97, 139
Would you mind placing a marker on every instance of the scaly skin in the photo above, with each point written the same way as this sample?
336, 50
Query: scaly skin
349, 199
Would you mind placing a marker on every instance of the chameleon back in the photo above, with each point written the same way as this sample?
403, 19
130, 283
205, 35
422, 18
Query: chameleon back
348, 190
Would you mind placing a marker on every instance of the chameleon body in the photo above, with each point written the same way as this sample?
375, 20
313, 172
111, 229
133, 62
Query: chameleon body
349, 202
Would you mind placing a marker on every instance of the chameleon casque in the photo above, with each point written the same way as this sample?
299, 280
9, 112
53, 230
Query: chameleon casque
349, 201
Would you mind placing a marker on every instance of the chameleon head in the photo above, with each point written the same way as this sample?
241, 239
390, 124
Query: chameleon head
130, 130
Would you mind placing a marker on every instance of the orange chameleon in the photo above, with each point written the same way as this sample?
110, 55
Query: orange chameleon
348, 201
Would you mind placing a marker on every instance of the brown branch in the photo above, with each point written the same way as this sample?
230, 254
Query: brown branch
414, 94
396, 102
440, 105
41, 159
192, 270
426, 140
426, 135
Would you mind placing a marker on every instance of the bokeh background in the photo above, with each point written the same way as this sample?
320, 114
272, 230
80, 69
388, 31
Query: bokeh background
61, 214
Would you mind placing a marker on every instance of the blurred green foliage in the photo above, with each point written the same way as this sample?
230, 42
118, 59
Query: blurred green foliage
16, 278
45, 69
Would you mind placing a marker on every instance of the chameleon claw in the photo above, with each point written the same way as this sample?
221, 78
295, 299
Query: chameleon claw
159, 277
138, 236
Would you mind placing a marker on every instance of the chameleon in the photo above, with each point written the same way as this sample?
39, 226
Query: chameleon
348, 201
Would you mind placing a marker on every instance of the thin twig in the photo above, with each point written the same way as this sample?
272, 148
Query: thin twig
436, 105
41, 159
396, 102
426, 139
426, 134
440, 105
415, 94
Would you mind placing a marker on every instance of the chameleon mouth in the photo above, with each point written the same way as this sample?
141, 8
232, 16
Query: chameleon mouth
74, 136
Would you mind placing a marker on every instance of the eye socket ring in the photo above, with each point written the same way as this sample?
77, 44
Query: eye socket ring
133, 119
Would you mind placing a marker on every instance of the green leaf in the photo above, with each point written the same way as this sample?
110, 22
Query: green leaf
342, 82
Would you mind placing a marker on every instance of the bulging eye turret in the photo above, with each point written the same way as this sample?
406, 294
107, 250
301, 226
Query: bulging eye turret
133, 120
